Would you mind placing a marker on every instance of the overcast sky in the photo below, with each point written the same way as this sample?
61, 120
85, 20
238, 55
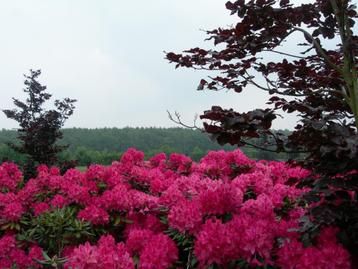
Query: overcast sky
109, 56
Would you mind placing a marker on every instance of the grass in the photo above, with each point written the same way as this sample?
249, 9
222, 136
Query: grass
81, 168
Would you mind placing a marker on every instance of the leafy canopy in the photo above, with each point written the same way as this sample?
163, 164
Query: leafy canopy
317, 82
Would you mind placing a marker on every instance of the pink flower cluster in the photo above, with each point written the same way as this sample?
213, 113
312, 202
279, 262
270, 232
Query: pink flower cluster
228, 207
11, 254
10, 177
105, 255
327, 253
154, 250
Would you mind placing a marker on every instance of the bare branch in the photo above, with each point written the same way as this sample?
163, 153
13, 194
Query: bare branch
286, 54
177, 119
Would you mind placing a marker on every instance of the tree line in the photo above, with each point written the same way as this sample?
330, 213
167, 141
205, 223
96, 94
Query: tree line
104, 145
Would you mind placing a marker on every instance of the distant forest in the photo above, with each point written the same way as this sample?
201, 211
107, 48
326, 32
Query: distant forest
104, 145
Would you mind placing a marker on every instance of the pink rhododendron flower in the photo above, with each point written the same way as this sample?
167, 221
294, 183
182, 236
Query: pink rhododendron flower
141, 200
124, 260
159, 253
132, 157
6, 198
179, 163
215, 243
113, 255
10, 176
116, 198
95, 171
105, 255
7, 243
158, 180
5, 263
261, 183
13, 211
40, 208
31, 188
186, 216
75, 192
330, 255
257, 235
94, 214
158, 159
74, 176
224, 165
289, 255
35, 253
11, 255
281, 172
83, 257
262, 207
58, 201
289, 226
19, 257
220, 199
139, 221
138, 239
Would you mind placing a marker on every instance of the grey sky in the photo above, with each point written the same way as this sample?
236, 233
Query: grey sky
109, 55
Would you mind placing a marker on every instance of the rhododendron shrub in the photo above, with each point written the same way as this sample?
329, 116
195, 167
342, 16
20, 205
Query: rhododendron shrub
226, 211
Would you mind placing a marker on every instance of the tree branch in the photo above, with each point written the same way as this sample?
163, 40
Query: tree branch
319, 49
269, 89
177, 119
269, 150
286, 54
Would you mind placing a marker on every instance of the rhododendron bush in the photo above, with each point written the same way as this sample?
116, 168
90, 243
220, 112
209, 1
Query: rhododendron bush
226, 211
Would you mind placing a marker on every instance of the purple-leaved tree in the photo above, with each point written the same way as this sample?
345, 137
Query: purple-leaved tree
39, 128
317, 80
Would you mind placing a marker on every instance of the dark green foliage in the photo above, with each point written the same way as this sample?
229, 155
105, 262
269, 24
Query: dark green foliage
186, 244
55, 229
